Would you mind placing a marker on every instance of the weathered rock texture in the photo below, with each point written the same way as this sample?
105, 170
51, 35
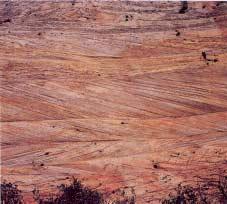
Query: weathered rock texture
118, 94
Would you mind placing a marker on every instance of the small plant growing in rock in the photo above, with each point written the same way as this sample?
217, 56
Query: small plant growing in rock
76, 193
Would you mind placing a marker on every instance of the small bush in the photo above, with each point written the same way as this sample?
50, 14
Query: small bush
10, 194
74, 193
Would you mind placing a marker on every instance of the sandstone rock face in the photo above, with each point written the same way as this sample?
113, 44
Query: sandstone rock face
117, 94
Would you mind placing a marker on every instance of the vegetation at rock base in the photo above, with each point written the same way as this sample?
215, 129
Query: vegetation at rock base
207, 191
210, 190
